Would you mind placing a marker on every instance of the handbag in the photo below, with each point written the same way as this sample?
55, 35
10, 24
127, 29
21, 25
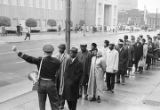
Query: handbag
34, 76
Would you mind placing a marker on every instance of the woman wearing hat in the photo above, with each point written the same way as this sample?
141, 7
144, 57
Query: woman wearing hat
47, 79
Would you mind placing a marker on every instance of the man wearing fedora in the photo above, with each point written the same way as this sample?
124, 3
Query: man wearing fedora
47, 80
72, 78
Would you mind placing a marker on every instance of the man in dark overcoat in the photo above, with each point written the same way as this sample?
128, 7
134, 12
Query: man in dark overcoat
123, 61
72, 78
84, 57
138, 52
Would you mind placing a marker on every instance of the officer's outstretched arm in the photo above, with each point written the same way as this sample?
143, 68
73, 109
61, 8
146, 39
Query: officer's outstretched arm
26, 57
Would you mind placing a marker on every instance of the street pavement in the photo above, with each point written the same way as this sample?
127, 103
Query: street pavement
141, 92
13, 72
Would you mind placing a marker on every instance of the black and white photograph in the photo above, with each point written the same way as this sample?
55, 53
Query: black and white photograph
79, 54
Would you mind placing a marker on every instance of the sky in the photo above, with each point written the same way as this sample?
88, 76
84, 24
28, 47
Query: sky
151, 5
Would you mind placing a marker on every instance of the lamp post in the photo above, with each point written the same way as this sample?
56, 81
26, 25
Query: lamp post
68, 24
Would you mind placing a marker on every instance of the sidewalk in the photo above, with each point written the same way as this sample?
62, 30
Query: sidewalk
46, 36
140, 93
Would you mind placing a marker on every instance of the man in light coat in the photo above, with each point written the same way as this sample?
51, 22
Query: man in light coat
63, 57
112, 61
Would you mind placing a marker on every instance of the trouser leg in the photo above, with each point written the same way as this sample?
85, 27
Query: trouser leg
42, 95
42, 100
136, 65
118, 77
123, 77
61, 102
25, 38
112, 81
72, 105
53, 95
108, 81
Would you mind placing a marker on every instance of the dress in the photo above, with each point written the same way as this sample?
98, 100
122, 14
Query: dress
96, 79
99, 73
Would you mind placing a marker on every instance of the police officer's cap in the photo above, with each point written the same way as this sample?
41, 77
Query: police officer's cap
74, 50
62, 46
48, 48
83, 45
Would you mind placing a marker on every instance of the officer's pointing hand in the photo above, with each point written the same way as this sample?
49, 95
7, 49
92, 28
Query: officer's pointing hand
14, 48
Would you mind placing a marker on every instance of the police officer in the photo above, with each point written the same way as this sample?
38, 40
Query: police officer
47, 83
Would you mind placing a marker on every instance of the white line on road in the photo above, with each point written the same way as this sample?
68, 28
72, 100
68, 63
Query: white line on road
10, 52
20, 62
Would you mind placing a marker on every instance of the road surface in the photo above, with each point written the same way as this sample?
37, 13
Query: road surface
14, 71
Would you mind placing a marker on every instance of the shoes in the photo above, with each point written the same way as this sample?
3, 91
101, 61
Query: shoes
112, 91
118, 82
123, 83
93, 99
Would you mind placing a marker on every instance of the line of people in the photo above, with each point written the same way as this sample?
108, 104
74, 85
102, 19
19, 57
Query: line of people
67, 77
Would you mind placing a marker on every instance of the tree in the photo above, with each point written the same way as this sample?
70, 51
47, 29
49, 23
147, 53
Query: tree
51, 22
31, 23
5, 21
81, 22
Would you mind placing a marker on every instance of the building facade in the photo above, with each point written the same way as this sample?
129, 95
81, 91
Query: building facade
93, 12
131, 17
41, 10
127, 4
139, 18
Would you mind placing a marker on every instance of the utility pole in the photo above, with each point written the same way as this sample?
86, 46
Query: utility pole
68, 24
156, 21
84, 25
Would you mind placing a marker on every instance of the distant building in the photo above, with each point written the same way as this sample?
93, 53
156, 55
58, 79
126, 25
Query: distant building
127, 4
93, 12
137, 18
131, 17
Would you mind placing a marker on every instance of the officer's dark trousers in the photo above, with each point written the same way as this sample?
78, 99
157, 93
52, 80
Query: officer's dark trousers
72, 105
110, 81
48, 88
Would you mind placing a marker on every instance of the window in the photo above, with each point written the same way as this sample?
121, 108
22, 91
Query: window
43, 4
14, 2
21, 2
1, 1
58, 4
5, 2
37, 3
49, 4
100, 9
30, 3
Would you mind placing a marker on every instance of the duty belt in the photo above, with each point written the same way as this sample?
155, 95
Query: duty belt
46, 79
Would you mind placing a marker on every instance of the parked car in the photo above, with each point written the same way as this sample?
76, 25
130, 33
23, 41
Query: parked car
11, 30
35, 29
52, 29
